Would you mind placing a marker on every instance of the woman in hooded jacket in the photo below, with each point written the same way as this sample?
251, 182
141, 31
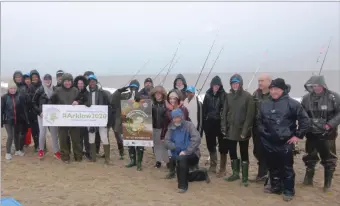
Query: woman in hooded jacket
13, 117
158, 96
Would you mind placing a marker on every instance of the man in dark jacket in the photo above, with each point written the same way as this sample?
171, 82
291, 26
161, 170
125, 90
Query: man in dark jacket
237, 121
260, 95
66, 95
117, 96
80, 82
148, 85
35, 85
323, 108
181, 84
96, 96
212, 108
277, 120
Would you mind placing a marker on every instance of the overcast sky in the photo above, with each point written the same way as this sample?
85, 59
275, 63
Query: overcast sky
118, 38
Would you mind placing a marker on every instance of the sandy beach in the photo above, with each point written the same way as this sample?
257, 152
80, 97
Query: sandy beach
36, 182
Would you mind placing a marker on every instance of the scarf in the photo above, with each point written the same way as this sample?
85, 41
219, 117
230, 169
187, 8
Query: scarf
48, 90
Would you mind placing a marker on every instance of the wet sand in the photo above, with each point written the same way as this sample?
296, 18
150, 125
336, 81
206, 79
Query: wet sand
36, 182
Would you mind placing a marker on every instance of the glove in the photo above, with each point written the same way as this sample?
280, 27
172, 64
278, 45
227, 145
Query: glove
137, 97
124, 89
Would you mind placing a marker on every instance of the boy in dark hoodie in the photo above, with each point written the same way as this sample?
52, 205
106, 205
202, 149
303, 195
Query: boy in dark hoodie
212, 108
66, 95
35, 85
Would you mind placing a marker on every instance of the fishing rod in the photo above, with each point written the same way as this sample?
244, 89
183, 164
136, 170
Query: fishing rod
133, 77
321, 52
154, 79
206, 59
162, 83
171, 62
219, 53
257, 70
329, 44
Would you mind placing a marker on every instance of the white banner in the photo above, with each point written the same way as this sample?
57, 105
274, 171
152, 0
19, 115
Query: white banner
74, 115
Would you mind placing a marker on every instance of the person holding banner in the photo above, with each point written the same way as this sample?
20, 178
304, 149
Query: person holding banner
184, 140
117, 96
95, 95
42, 96
66, 95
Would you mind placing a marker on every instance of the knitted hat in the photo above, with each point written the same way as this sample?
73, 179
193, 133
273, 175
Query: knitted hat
191, 89
12, 85
47, 77
278, 83
92, 76
176, 113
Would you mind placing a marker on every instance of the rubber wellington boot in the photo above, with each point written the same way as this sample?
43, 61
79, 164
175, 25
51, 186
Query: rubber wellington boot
107, 154
213, 162
245, 169
132, 159
328, 180
308, 180
235, 165
121, 151
223, 164
172, 169
93, 152
140, 153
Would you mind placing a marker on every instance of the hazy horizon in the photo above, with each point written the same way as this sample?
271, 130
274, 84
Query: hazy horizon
117, 38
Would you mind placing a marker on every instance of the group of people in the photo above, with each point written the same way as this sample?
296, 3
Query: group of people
274, 120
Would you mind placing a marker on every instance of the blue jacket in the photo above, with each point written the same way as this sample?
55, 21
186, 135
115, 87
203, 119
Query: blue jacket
184, 138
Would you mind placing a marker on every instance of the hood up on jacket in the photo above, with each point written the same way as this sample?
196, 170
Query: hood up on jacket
181, 77
236, 78
66, 76
158, 89
215, 81
80, 77
319, 80
35, 72
18, 73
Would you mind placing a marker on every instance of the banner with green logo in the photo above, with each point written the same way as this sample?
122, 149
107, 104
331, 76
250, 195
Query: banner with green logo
137, 122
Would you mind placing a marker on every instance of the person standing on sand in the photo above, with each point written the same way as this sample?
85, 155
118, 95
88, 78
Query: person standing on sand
158, 96
35, 85
135, 153
183, 139
97, 140
13, 117
260, 95
323, 107
80, 82
277, 120
43, 96
173, 102
212, 109
237, 121
96, 96
66, 95
181, 84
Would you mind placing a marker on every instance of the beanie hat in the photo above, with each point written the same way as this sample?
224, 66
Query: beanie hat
134, 83
176, 113
12, 84
92, 76
60, 73
173, 95
278, 83
88, 73
148, 80
27, 75
47, 77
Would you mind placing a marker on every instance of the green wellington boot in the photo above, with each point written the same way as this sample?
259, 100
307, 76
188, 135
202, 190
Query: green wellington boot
235, 165
132, 160
140, 153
